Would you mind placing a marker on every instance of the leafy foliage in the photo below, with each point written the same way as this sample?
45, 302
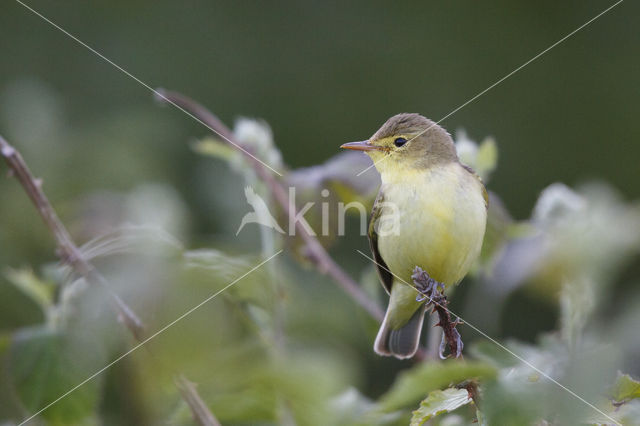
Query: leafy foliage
625, 389
482, 158
45, 364
439, 402
279, 347
37, 290
412, 385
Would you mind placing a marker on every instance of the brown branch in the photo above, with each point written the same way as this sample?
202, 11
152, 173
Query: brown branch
430, 290
199, 410
316, 253
72, 256
451, 335
66, 248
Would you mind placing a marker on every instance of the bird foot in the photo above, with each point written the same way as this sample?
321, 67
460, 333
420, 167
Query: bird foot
451, 338
431, 291
426, 286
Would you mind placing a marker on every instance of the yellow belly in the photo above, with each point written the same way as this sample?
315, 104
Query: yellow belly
441, 224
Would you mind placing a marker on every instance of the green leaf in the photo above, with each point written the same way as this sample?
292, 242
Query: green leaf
487, 158
415, 383
214, 148
44, 364
439, 402
625, 389
483, 158
41, 292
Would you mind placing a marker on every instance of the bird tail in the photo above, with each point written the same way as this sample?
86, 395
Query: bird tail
402, 342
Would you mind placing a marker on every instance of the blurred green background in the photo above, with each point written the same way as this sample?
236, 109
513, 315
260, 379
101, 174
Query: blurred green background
321, 74
325, 72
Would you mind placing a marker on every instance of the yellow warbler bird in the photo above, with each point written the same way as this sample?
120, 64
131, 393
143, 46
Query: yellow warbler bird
431, 212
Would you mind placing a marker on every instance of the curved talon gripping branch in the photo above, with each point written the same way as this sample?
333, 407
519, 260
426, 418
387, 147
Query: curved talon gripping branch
431, 290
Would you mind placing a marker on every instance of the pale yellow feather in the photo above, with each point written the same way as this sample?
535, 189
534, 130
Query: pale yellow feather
441, 228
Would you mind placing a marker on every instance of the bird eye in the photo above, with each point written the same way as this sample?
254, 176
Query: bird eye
399, 142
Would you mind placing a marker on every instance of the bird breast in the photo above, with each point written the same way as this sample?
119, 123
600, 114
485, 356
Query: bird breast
441, 219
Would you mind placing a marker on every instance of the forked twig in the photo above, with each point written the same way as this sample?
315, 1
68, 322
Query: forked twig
69, 254
66, 248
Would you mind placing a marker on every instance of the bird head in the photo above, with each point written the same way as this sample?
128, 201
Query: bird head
407, 141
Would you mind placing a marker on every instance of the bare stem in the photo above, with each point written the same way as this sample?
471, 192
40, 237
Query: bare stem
431, 290
72, 256
451, 335
199, 410
316, 253
66, 248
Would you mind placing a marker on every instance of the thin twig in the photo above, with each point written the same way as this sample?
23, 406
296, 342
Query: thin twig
66, 248
451, 336
314, 250
430, 290
72, 256
199, 410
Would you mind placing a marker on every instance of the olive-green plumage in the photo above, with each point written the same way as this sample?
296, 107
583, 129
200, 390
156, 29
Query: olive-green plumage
430, 212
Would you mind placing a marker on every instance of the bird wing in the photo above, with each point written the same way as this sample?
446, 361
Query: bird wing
485, 194
386, 278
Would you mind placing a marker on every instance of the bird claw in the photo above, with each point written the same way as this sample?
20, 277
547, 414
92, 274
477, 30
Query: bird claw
427, 287
442, 348
458, 338
431, 291
422, 297
458, 345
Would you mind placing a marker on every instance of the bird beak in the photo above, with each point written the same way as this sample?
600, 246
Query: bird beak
361, 146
